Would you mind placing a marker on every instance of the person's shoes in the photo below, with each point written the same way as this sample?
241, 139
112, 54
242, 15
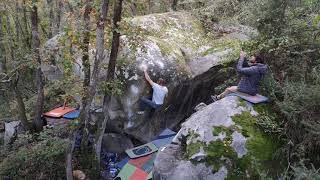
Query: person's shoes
214, 98
140, 112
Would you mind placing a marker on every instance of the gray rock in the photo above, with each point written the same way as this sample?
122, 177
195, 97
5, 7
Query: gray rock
169, 165
184, 171
215, 114
11, 130
51, 72
116, 143
167, 159
203, 64
239, 144
220, 175
199, 128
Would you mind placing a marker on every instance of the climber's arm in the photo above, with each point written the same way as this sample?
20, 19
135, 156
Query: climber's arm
146, 75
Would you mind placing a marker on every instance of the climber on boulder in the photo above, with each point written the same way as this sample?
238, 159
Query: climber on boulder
250, 76
159, 93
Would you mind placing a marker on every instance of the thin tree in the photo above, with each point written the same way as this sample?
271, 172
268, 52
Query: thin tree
39, 75
111, 69
174, 5
99, 55
86, 85
58, 19
20, 104
26, 25
2, 45
51, 18
85, 62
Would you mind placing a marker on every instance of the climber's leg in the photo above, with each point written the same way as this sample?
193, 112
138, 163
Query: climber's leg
227, 91
145, 103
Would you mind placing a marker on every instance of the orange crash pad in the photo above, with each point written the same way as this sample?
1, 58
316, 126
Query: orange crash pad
59, 112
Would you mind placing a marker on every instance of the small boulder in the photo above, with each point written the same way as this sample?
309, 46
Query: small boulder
11, 129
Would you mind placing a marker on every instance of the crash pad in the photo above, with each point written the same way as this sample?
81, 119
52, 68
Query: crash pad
72, 115
59, 112
130, 172
164, 138
253, 99
123, 162
142, 150
144, 163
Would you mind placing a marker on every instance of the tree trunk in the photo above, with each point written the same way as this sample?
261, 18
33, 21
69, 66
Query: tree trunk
174, 5
51, 18
21, 107
39, 75
17, 21
59, 11
115, 40
111, 70
26, 24
85, 63
2, 50
10, 37
133, 8
99, 54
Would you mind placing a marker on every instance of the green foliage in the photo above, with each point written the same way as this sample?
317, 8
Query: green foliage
219, 129
289, 40
46, 157
114, 87
87, 162
193, 148
268, 120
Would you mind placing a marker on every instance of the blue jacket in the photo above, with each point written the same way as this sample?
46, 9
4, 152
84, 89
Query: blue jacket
250, 77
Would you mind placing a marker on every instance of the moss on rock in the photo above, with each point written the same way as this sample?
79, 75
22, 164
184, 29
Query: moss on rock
193, 148
260, 148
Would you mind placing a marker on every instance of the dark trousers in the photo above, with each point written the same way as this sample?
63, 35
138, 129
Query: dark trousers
145, 103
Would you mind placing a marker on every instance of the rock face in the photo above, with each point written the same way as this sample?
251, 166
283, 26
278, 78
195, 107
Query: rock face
173, 46
225, 137
116, 143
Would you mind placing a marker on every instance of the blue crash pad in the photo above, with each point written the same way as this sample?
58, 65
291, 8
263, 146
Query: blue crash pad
253, 99
72, 115
164, 138
122, 162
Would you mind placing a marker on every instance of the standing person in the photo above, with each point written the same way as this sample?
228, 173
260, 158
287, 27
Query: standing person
250, 76
159, 93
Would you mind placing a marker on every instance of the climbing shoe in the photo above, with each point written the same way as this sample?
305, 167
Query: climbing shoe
214, 98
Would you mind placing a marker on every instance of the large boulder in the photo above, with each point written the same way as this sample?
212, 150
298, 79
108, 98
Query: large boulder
173, 46
220, 141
